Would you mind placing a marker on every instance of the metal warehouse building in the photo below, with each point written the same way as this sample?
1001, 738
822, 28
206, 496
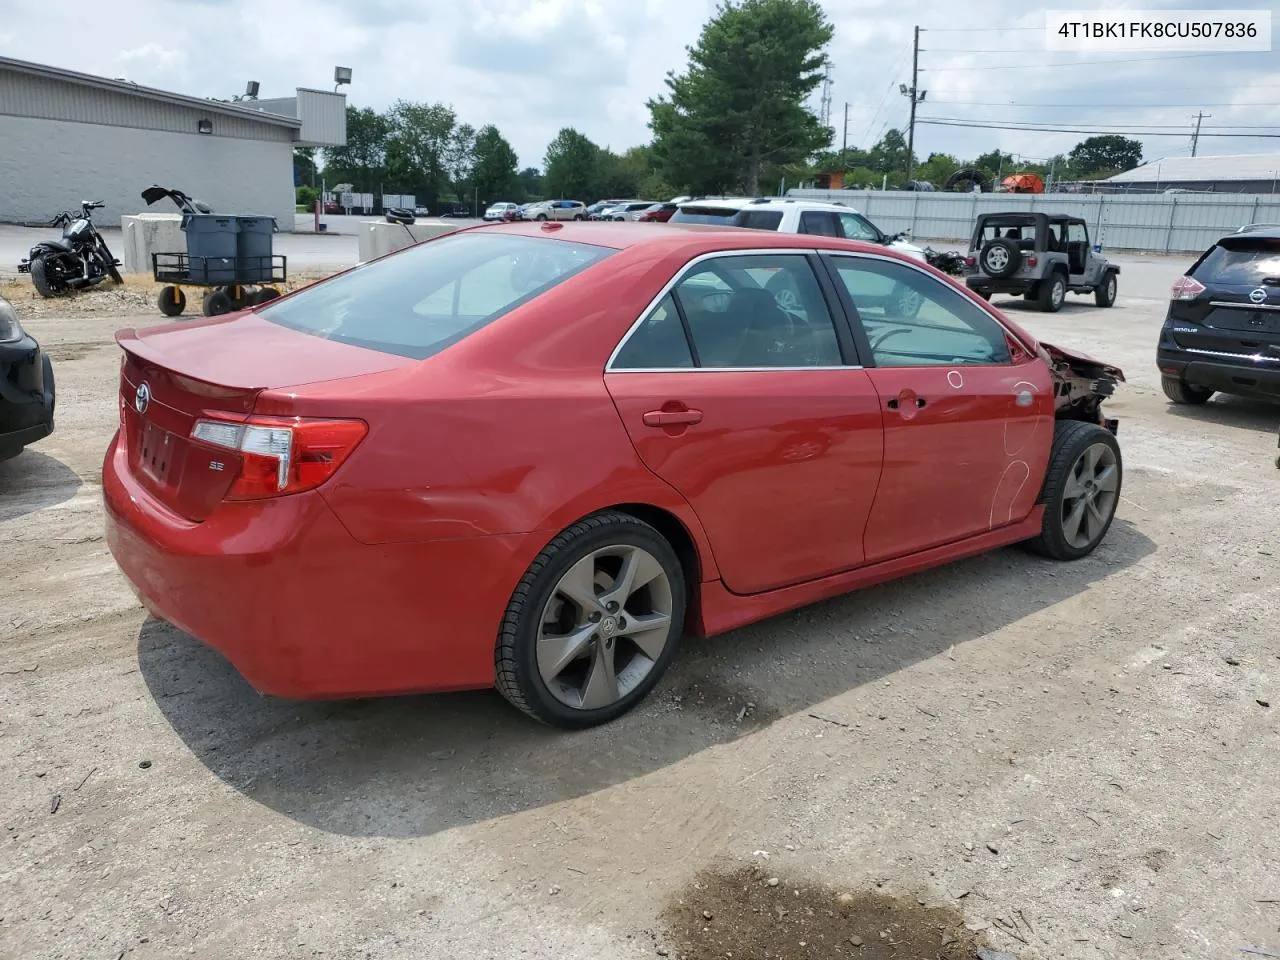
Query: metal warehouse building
67, 137
1243, 173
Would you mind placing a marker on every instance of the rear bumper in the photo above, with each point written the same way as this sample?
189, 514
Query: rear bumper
1248, 379
26, 396
299, 607
991, 285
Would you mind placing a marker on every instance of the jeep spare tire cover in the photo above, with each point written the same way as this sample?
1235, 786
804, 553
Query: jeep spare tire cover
1000, 258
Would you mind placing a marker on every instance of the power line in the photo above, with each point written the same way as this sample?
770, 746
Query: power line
1136, 133
1095, 104
1125, 126
889, 86
1090, 63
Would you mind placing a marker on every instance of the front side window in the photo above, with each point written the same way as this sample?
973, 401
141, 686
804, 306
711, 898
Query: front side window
425, 298
858, 228
913, 319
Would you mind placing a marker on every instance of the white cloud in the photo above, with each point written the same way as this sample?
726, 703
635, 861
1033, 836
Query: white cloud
534, 66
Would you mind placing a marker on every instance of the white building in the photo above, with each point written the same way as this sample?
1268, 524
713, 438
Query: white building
67, 137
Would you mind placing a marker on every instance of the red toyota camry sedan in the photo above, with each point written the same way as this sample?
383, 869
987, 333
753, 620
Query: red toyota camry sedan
534, 456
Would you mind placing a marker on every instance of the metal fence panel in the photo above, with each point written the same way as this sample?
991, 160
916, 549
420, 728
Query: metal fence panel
1163, 223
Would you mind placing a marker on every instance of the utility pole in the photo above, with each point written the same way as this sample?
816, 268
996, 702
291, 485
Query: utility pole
1195, 137
916, 95
824, 111
845, 143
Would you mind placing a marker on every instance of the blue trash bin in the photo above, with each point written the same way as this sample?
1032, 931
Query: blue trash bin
254, 248
212, 242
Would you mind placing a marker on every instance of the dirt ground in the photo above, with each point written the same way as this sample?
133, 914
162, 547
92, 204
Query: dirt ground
1053, 760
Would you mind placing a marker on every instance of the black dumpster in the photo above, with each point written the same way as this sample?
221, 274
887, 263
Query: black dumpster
212, 247
254, 247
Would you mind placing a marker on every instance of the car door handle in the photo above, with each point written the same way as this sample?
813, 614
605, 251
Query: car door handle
670, 418
893, 403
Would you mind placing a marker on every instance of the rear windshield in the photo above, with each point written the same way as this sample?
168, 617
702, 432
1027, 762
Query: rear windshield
722, 216
758, 219
1242, 260
426, 298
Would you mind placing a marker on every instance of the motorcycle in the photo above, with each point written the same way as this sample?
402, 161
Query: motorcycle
948, 261
79, 260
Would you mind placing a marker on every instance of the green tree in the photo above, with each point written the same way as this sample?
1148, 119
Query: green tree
937, 168
362, 162
994, 164
459, 160
573, 166
494, 169
740, 105
890, 154
305, 196
530, 182
304, 166
418, 149
1105, 154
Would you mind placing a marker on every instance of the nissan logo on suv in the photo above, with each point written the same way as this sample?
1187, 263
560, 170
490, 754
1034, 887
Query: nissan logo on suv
1258, 295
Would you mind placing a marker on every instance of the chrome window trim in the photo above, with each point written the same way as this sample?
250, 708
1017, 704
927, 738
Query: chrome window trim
983, 305
1244, 306
681, 274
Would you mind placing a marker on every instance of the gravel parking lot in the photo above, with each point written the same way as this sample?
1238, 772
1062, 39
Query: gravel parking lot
1055, 760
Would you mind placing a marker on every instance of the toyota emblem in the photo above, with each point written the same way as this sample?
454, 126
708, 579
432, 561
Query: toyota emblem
142, 399
1258, 295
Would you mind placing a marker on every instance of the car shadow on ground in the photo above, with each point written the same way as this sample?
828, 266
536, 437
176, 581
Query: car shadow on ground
413, 766
32, 481
1070, 305
1244, 413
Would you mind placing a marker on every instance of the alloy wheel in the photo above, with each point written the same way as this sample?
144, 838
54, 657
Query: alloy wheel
1090, 494
604, 627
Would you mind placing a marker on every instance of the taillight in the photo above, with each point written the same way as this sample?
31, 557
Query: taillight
281, 455
1032, 261
970, 261
1186, 288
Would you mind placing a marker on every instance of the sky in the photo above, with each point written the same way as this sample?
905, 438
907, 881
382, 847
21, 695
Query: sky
532, 67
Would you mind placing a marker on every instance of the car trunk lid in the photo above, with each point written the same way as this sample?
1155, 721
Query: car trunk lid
172, 376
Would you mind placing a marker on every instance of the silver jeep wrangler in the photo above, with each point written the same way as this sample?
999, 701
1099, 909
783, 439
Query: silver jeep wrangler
1040, 256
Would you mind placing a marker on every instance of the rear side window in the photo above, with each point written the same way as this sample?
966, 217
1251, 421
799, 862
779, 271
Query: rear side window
1248, 261
658, 343
426, 298
721, 216
759, 219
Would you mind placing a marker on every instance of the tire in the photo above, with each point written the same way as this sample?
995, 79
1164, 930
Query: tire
906, 302
40, 280
541, 216
109, 263
1000, 258
171, 301
1070, 466
580, 217
265, 295
216, 304
594, 539
1053, 291
1105, 295
238, 296
1179, 391
984, 294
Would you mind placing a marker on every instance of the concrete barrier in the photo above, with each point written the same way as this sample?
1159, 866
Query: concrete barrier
377, 238
146, 233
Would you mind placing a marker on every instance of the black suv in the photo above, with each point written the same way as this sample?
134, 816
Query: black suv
1222, 332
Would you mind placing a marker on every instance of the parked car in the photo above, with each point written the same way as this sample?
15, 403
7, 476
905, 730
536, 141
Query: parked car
1222, 330
604, 211
332, 207
288, 524
501, 211
630, 210
787, 215
26, 386
600, 205
1040, 257
421, 212
557, 210
657, 213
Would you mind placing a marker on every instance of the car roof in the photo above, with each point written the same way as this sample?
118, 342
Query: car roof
708, 237
1269, 231
769, 203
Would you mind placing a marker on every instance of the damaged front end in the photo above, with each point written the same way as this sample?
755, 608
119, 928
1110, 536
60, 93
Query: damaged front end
1080, 384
